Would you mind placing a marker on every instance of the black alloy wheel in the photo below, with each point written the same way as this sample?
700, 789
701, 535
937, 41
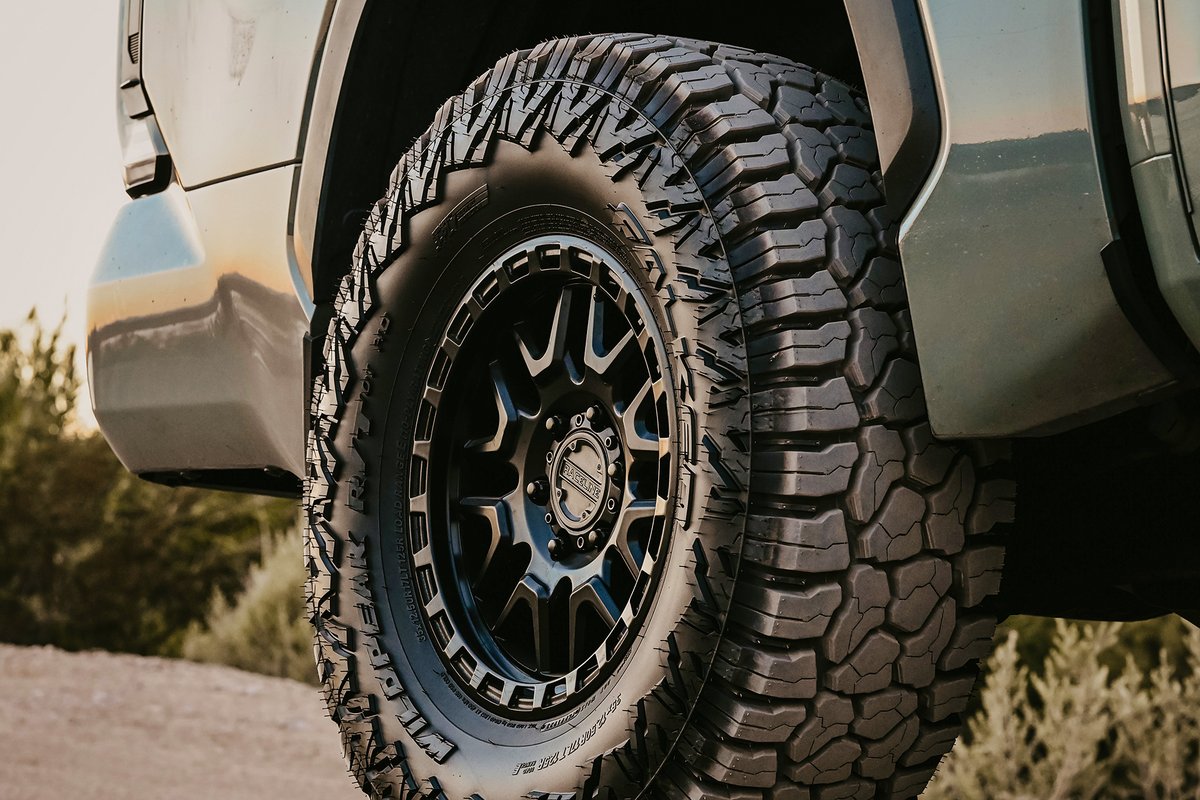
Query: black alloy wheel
550, 441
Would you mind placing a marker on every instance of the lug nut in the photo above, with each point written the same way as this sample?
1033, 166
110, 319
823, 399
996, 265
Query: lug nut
552, 546
554, 425
593, 537
613, 469
536, 490
593, 412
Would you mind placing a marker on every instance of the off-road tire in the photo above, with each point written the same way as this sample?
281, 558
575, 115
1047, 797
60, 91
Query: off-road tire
817, 630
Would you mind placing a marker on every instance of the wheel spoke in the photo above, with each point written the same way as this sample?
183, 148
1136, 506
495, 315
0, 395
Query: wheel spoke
635, 511
507, 413
594, 355
593, 593
533, 595
500, 526
556, 344
638, 443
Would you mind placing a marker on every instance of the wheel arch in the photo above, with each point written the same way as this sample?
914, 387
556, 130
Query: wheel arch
357, 132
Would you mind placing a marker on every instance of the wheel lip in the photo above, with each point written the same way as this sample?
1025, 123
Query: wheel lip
560, 694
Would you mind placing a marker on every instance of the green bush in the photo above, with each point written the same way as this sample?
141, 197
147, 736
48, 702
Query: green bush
264, 629
1078, 728
90, 556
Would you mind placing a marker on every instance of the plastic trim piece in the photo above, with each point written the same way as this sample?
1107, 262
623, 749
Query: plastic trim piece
898, 73
1127, 260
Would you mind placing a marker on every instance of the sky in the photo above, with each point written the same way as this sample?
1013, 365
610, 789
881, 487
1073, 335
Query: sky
60, 163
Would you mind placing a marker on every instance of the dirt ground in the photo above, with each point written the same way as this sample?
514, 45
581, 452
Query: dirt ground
97, 725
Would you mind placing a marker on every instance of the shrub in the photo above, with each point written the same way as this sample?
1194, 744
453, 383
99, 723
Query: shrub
1080, 729
91, 556
264, 629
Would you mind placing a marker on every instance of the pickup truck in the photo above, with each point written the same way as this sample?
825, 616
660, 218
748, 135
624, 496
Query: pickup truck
657, 404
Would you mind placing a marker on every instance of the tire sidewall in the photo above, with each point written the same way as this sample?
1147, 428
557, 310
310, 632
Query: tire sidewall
414, 298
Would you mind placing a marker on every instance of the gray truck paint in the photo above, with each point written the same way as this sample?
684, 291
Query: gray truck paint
1017, 325
196, 330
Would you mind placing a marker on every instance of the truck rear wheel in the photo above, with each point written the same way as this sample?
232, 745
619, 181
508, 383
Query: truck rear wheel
620, 479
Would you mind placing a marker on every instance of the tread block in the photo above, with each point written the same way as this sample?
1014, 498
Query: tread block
880, 465
853, 789
880, 713
795, 104
880, 285
793, 297
971, 642
895, 532
909, 783
872, 344
784, 200
786, 789
828, 719
679, 782
821, 408
855, 145
833, 763
722, 121
791, 252
730, 763
917, 586
869, 668
752, 80
862, 611
879, 757
755, 164
933, 742
785, 613
919, 653
977, 574
995, 503
929, 460
897, 397
945, 696
811, 152
797, 349
819, 544
751, 719
945, 529
767, 671
851, 242
849, 185
808, 473
842, 104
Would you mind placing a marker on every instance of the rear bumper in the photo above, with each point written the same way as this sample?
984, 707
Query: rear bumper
197, 320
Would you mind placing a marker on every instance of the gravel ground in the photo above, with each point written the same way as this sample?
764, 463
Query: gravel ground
99, 725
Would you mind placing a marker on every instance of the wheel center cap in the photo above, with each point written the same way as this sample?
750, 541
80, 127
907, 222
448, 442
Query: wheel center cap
585, 483
579, 477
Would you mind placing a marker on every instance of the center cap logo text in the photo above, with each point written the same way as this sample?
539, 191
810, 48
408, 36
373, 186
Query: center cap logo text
581, 480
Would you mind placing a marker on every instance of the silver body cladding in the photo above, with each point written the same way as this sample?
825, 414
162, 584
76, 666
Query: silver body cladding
202, 301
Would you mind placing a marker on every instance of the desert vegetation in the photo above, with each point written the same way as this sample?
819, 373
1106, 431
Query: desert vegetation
93, 558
